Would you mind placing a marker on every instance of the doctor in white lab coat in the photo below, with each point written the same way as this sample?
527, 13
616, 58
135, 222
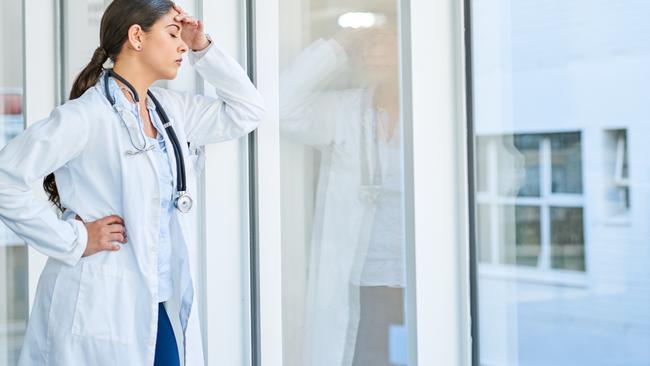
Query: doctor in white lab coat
96, 301
357, 237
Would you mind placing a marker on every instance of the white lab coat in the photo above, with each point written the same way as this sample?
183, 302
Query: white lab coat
337, 123
102, 309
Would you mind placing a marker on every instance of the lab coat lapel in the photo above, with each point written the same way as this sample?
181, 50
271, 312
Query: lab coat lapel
158, 123
135, 133
170, 151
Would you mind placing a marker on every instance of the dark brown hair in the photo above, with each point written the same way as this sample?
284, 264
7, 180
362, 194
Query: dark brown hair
118, 17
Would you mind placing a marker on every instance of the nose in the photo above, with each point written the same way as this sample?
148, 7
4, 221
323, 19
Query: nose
183, 47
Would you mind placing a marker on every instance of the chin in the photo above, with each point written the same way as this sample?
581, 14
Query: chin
171, 75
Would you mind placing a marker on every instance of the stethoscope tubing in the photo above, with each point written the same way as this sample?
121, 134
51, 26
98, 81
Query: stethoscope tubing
183, 202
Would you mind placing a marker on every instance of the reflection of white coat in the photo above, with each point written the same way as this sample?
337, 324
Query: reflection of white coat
337, 123
102, 309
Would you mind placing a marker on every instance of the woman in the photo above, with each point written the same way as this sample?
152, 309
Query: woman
117, 286
348, 109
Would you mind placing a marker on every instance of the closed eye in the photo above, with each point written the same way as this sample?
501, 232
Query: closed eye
173, 36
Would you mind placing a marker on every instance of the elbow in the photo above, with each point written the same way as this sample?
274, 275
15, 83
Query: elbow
249, 122
259, 109
256, 114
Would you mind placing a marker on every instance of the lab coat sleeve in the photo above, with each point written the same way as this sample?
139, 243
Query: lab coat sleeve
237, 108
41, 149
307, 108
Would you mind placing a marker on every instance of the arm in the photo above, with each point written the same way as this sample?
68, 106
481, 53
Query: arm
41, 149
237, 109
306, 110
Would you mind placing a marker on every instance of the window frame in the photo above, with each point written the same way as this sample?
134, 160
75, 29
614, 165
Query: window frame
543, 272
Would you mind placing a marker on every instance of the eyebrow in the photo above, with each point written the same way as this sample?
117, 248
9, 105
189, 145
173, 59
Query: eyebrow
175, 25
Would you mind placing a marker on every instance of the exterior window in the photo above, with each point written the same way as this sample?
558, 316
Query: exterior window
617, 192
530, 203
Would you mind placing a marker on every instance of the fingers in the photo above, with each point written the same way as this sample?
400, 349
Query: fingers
112, 219
111, 229
183, 17
110, 242
117, 237
186, 19
116, 228
106, 234
110, 247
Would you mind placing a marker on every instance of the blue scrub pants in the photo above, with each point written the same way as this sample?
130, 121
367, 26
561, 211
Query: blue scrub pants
166, 350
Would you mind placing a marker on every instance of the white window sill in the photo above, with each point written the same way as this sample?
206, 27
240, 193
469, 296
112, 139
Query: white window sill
551, 277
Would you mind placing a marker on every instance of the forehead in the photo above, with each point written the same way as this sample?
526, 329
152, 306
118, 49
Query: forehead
168, 19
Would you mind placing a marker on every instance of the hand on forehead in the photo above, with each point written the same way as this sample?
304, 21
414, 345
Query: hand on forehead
178, 9
182, 17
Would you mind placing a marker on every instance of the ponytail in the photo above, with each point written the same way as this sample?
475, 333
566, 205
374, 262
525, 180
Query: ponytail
89, 75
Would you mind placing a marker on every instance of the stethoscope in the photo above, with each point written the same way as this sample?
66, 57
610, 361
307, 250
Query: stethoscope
183, 201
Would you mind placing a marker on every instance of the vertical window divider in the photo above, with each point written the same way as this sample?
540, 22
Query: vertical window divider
474, 357
253, 190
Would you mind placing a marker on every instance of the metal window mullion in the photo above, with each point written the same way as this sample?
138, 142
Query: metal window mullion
59, 54
471, 201
253, 200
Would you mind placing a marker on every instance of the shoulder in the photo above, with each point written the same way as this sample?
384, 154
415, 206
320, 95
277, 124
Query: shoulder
89, 105
80, 112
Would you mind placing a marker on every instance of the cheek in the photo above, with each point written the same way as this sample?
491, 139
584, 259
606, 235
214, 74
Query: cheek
162, 52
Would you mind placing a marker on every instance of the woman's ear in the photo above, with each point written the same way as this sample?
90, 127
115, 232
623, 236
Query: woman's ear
135, 37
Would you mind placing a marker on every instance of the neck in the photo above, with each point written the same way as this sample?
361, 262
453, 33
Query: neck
137, 76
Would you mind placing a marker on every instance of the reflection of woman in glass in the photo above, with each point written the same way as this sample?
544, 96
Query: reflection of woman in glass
356, 267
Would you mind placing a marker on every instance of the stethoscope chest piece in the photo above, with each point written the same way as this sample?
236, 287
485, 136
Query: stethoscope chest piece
183, 202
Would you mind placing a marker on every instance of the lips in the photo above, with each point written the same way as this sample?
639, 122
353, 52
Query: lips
179, 61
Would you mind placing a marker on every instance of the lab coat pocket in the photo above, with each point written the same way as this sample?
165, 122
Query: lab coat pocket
197, 159
104, 308
195, 162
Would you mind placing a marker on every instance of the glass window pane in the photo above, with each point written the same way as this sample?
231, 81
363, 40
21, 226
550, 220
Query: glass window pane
342, 178
566, 163
616, 203
567, 241
14, 305
565, 83
81, 37
528, 146
482, 167
520, 235
621, 143
483, 234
